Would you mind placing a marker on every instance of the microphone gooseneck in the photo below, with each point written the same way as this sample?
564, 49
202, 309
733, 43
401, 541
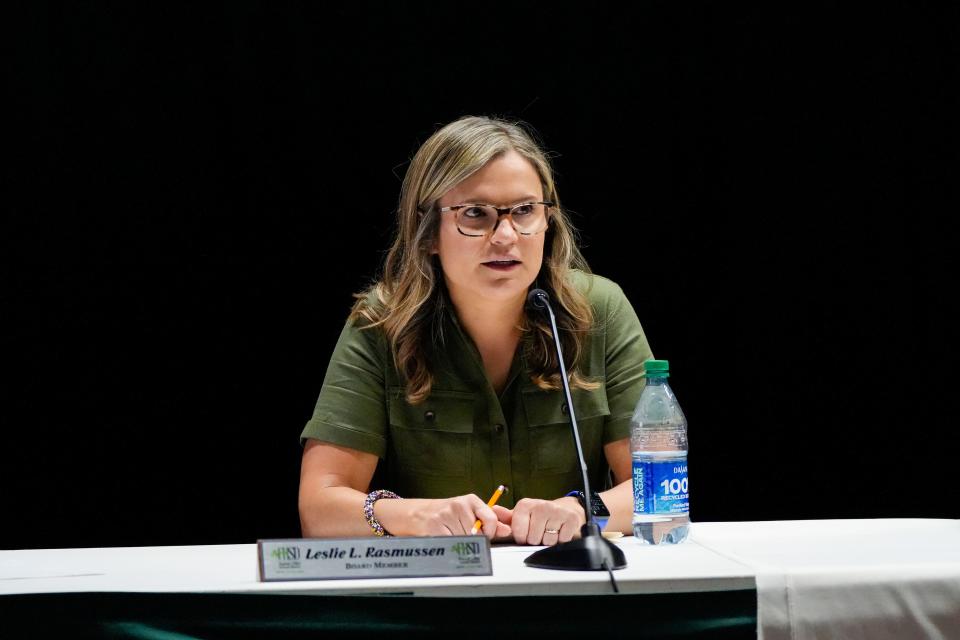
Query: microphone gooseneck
592, 552
540, 300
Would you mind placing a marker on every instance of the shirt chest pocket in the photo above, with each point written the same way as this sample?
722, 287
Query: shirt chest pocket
551, 439
435, 436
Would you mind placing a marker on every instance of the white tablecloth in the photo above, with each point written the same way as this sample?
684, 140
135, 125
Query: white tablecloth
875, 579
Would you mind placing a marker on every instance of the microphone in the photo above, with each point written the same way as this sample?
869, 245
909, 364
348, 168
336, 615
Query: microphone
592, 552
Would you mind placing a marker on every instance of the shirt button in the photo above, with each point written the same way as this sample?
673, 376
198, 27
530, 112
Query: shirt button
429, 416
498, 428
564, 409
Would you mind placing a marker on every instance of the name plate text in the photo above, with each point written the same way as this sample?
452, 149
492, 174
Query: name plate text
345, 558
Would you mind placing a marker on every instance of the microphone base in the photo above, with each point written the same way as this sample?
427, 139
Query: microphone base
592, 552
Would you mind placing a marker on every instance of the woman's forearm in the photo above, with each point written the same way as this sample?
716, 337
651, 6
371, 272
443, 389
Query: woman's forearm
619, 501
337, 511
333, 512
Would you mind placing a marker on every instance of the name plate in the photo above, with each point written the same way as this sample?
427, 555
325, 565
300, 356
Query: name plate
400, 557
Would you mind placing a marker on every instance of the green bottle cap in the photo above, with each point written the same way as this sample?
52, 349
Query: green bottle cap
657, 368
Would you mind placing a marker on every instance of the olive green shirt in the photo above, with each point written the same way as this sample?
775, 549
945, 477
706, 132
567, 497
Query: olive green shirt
464, 438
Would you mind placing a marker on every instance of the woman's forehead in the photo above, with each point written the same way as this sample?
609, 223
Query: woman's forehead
509, 177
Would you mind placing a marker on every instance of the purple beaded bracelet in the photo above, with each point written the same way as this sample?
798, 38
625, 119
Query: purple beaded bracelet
372, 497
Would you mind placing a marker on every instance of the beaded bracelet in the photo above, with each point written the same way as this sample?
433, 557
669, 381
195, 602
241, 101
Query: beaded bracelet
372, 497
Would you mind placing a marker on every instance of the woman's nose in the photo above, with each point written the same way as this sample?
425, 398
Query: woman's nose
505, 232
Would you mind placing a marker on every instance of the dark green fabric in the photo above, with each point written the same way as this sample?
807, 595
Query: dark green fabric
183, 616
451, 443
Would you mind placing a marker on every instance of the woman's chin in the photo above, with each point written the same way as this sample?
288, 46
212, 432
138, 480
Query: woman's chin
497, 292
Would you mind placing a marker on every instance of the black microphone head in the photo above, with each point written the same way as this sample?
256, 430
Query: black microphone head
538, 299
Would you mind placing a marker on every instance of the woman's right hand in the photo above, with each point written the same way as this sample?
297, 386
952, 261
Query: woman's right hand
439, 517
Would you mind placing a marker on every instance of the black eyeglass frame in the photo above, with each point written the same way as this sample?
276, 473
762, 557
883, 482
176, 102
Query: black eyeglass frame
501, 211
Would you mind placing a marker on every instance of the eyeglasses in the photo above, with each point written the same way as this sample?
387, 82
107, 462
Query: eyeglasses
475, 220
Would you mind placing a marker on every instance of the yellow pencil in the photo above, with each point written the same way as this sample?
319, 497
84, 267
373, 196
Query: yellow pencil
492, 501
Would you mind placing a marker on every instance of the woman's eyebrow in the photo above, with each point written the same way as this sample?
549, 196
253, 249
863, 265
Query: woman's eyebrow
520, 200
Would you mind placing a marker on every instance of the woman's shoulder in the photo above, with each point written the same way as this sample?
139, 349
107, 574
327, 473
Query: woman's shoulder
597, 289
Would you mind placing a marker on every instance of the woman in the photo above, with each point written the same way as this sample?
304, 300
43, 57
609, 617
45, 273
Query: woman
444, 383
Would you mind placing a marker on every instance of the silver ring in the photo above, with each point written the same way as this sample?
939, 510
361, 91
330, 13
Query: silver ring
554, 531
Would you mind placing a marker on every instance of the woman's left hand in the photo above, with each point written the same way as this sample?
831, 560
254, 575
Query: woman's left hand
546, 522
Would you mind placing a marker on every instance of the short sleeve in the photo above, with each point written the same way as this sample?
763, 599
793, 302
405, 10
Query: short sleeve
626, 351
351, 410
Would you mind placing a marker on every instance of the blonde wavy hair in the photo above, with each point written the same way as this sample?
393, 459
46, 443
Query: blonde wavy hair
408, 301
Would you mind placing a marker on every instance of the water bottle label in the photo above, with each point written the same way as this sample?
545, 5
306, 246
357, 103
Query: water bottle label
660, 487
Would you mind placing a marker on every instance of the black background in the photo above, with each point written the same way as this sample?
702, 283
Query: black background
196, 191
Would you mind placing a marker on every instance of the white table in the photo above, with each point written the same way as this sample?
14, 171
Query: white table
834, 578
233, 569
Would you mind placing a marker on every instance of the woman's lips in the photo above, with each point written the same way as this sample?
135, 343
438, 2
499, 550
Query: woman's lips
502, 265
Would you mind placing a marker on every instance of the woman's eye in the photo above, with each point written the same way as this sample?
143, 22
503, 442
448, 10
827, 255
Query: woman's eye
474, 212
523, 209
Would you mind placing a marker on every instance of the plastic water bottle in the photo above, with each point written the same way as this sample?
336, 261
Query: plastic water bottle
658, 445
